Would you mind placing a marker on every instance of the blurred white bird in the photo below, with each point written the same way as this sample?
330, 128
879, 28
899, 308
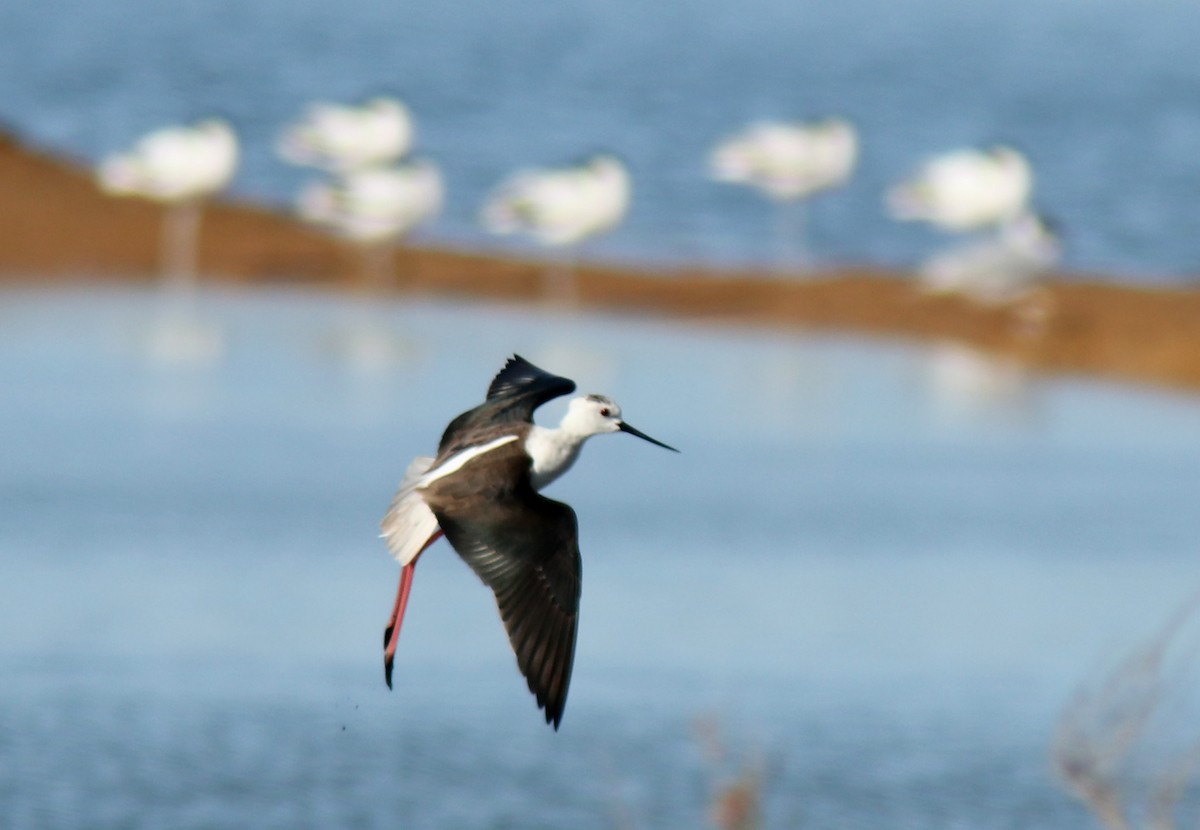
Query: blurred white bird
965, 190
560, 207
376, 204
995, 270
174, 164
373, 208
341, 138
788, 162
180, 167
1004, 270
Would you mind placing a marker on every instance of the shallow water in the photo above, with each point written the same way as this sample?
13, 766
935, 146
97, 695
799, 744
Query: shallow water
1100, 95
883, 569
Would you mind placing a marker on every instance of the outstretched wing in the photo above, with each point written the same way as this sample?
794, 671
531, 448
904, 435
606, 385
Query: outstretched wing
525, 547
517, 390
521, 379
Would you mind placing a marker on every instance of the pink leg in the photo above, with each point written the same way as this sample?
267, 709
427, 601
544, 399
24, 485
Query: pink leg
391, 634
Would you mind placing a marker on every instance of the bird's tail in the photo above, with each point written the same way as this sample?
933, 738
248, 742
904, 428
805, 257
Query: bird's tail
409, 525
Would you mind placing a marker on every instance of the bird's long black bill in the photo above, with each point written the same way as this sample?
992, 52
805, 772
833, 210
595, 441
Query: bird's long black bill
624, 427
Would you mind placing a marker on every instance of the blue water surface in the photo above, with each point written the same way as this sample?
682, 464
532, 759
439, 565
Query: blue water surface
883, 570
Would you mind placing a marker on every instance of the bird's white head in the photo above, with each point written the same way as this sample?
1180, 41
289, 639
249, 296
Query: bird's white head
590, 415
553, 451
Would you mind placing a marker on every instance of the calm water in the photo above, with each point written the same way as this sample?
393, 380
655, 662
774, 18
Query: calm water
884, 570
1100, 93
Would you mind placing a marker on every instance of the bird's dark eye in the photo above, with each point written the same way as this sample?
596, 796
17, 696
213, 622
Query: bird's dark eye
604, 412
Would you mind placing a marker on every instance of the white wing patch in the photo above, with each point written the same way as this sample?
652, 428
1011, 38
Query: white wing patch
457, 461
409, 523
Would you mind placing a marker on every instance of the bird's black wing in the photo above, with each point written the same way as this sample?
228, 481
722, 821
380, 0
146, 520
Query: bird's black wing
525, 547
521, 379
517, 390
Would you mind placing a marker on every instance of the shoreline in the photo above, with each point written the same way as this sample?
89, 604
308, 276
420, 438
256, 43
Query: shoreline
55, 226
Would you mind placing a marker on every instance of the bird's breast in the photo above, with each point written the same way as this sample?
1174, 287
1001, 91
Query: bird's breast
551, 454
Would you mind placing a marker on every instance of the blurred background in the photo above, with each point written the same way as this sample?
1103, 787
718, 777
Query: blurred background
1099, 95
901, 583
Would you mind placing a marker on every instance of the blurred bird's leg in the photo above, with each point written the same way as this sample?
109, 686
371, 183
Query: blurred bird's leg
181, 236
1033, 312
177, 335
367, 341
375, 266
792, 256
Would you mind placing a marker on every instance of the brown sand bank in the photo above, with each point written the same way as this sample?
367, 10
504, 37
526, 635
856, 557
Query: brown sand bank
55, 226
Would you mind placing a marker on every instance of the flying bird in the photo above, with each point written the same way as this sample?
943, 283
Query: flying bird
481, 493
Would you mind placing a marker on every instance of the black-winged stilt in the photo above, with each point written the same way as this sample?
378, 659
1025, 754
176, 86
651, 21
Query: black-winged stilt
481, 493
